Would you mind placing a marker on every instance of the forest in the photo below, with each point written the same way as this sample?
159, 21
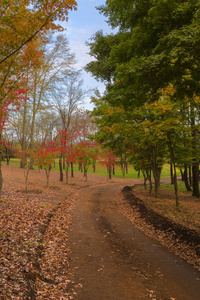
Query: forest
149, 113
150, 109
147, 119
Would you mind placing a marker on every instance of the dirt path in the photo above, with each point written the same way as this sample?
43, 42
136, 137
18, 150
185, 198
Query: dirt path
112, 259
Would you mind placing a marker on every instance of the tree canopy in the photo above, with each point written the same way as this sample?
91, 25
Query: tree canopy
156, 48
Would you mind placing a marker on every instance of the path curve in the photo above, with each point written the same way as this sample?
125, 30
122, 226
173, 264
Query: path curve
112, 259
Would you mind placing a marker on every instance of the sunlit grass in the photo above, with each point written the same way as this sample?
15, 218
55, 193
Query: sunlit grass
170, 187
14, 162
101, 169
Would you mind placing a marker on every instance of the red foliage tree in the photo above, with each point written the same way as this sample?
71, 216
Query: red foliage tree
8, 105
66, 141
45, 156
108, 158
86, 154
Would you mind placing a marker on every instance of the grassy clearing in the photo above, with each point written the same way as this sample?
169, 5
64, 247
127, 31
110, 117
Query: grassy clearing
14, 162
170, 187
101, 169
132, 173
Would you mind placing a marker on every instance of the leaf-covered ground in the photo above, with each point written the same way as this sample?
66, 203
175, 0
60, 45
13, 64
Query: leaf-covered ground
34, 225
33, 233
176, 228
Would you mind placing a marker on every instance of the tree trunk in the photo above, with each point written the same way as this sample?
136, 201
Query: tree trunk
150, 181
172, 156
26, 172
195, 179
67, 174
113, 169
123, 169
7, 156
1, 176
63, 162
182, 174
109, 168
80, 167
23, 142
48, 175
195, 165
32, 139
85, 172
110, 172
145, 180
72, 169
126, 168
60, 167
157, 183
190, 175
94, 166
171, 173
156, 174
175, 185
188, 188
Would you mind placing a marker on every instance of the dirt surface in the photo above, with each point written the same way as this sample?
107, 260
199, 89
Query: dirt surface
86, 241
112, 259
34, 226
179, 232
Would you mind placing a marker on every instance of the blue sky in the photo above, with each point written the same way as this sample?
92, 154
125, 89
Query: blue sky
82, 24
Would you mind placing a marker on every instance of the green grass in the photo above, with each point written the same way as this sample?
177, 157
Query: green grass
166, 171
101, 169
170, 187
14, 162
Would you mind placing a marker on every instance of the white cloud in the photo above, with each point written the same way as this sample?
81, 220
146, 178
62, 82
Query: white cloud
81, 53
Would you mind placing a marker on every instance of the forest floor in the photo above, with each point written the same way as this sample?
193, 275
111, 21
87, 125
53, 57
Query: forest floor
34, 227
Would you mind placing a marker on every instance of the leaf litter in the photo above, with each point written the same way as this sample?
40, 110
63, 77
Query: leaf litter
34, 251
33, 240
34, 225
171, 229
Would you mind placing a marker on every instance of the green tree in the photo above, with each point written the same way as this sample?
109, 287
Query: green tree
157, 44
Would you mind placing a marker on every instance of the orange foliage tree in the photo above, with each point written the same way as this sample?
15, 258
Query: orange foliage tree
22, 22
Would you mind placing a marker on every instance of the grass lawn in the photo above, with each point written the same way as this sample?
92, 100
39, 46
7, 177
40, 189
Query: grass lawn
101, 169
170, 187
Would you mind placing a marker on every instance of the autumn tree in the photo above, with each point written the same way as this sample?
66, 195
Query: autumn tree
41, 79
108, 158
86, 154
155, 44
26, 156
7, 106
64, 140
45, 156
56, 67
21, 22
67, 97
